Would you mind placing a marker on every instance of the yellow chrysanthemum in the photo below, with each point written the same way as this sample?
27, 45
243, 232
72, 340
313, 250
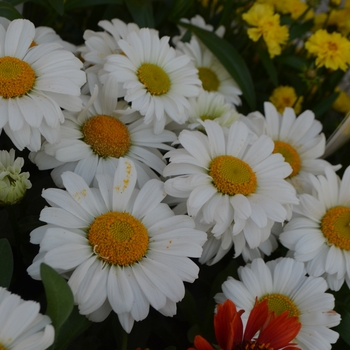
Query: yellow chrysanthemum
331, 50
285, 96
266, 24
342, 103
297, 8
335, 21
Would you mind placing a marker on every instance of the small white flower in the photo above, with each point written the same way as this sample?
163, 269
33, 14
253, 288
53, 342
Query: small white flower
34, 83
22, 327
228, 179
13, 182
122, 248
157, 80
284, 284
319, 232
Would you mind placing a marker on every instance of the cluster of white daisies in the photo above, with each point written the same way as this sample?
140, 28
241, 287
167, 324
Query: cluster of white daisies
155, 166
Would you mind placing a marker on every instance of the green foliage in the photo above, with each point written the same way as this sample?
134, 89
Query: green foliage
9, 11
59, 296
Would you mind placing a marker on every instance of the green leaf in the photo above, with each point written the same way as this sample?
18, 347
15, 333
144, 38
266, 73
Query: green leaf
59, 296
269, 66
179, 8
58, 5
231, 60
6, 263
298, 31
73, 4
7, 10
75, 325
292, 61
325, 104
141, 12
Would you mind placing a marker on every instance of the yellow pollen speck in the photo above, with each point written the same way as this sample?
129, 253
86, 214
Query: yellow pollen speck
33, 44
209, 79
280, 303
107, 136
154, 78
16, 77
335, 226
253, 345
232, 176
290, 155
118, 238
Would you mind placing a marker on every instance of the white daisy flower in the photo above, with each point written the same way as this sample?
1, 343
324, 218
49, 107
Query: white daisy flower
212, 73
22, 327
34, 83
319, 232
44, 35
122, 248
299, 140
210, 105
284, 284
93, 141
157, 80
228, 180
98, 45
13, 182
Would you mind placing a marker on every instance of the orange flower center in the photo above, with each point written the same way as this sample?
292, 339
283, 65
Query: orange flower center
332, 46
16, 77
107, 136
290, 155
118, 238
335, 226
232, 175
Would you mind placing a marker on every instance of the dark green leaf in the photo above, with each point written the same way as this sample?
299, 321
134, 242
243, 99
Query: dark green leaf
7, 10
141, 12
179, 9
6, 263
75, 325
269, 66
59, 296
325, 104
230, 59
73, 4
15, 2
292, 61
58, 5
298, 31
189, 309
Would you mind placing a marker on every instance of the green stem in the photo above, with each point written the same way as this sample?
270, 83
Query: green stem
125, 341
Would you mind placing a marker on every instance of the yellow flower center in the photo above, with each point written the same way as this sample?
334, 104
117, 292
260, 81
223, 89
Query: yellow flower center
155, 79
209, 79
118, 238
252, 345
16, 77
290, 155
107, 136
205, 117
232, 176
335, 226
2, 347
280, 303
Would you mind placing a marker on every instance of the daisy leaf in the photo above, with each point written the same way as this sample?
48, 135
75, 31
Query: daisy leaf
231, 60
58, 5
59, 296
6, 263
141, 12
8, 11
179, 8
73, 4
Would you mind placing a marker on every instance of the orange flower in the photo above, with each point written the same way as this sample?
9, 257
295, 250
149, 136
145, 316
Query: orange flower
275, 332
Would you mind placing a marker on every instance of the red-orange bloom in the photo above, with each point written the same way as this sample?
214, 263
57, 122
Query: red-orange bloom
274, 332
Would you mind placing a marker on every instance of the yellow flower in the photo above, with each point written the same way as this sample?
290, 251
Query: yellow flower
296, 8
266, 24
285, 96
331, 50
342, 103
336, 21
